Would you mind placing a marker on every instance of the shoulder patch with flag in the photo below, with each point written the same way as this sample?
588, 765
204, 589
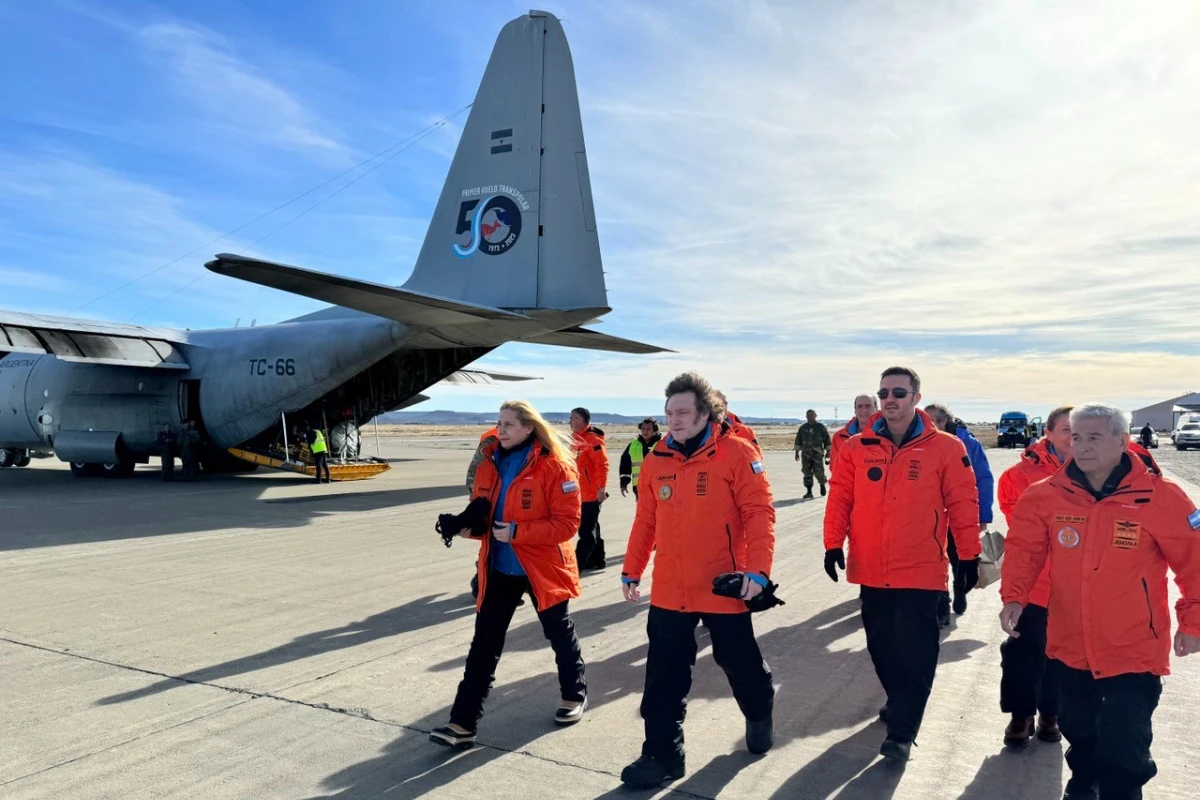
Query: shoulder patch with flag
1194, 520
570, 486
757, 466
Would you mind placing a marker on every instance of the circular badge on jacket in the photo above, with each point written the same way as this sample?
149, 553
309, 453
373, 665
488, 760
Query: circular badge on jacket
664, 492
1068, 537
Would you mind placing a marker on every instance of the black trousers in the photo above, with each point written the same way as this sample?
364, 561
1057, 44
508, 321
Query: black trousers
669, 672
1028, 681
952, 553
1107, 723
168, 467
589, 550
191, 466
902, 637
321, 460
500, 598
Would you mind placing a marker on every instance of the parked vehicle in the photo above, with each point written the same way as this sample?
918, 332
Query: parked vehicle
1136, 432
1016, 429
1188, 436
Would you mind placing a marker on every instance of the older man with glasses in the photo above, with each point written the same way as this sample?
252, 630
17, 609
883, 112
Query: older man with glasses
896, 490
1109, 525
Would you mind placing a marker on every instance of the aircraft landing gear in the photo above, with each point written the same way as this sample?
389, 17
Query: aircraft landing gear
13, 458
121, 469
81, 470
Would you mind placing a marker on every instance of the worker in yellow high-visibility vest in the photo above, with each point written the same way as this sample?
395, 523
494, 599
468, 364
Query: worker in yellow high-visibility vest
316, 443
635, 453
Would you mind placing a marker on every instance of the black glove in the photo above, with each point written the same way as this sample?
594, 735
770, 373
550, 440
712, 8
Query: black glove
834, 555
968, 574
474, 519
730, 585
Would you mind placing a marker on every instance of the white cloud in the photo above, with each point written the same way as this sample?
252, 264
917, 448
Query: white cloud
864, 167
232, 94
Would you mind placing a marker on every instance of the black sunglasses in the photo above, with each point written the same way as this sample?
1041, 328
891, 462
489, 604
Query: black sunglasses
899, 394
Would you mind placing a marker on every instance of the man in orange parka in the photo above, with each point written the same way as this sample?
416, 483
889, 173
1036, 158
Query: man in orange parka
865, 406
736, 426
1027, 687
705, 504
1109, 525
895, 489
591, 461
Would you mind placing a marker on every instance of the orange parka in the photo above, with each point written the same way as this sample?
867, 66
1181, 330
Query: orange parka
1037, 463
843, 435
591, 462
742, 430
543, 503
1108, 567
702, 516
895, 504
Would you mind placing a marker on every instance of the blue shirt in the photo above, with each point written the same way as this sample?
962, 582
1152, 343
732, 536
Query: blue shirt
984, 482
508, 464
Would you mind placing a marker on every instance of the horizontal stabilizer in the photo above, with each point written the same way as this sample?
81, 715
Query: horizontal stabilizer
486, 377
411, 308
594, 340
91, 342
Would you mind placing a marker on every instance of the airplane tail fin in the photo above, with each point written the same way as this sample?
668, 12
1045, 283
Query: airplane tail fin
515, 226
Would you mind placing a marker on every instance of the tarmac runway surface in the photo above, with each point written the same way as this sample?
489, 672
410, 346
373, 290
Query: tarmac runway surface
262, 637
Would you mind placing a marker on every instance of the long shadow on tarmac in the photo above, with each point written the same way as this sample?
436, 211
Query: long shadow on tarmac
812, 701
152, 509
1035, 773
421, 613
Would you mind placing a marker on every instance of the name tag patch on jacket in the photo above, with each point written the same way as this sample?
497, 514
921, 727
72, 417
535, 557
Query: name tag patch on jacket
702, 484
1126, 534
757, 467
1194, 520
570, 486
914, 470
526, 499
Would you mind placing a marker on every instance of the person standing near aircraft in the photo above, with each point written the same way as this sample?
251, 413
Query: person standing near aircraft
704, 510
1027, 686
984, 484
189, 451
900, 489
167, 445
635, 454
320, 452
591, 461
812, 448
865, 406
529, 479
1109, 525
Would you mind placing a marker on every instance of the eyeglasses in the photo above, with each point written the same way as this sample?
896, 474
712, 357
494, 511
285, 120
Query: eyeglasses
899, 394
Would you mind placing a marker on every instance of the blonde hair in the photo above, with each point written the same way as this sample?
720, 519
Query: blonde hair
556, 442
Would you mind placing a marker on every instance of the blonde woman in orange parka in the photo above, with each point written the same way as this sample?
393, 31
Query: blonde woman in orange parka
528, 477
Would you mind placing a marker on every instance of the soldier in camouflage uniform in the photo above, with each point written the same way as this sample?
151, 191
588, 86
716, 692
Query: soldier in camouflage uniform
812, 447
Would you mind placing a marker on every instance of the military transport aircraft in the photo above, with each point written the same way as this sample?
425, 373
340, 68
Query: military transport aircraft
511, 255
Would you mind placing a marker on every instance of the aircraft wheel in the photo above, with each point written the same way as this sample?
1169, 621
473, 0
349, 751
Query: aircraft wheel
122, 469
23, 459
7, 459
81, 470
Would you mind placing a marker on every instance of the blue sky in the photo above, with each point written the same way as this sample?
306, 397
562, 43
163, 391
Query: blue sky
793, 196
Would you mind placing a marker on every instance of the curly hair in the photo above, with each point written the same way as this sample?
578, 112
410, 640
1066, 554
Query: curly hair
708, 399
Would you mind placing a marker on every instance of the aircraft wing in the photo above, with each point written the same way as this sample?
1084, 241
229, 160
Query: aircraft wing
586, 339
412, 308
91, 342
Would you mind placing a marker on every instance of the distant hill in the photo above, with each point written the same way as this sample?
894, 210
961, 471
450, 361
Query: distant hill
489, 417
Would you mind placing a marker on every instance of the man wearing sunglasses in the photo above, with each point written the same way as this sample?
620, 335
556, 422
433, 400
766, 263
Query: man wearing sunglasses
899, 487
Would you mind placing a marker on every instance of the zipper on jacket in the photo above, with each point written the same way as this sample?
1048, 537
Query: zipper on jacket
732, 559
936, 521
1149, 607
